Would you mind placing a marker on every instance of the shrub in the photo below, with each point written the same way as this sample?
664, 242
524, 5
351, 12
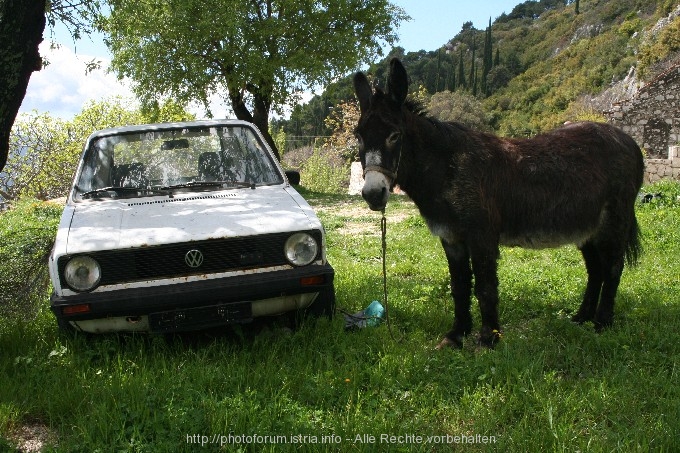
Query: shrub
296, 158
27, 232
653, 52
581, 110
325, 172
459, 106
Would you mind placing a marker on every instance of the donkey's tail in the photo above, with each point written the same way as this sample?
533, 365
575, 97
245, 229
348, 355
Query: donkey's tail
634, 243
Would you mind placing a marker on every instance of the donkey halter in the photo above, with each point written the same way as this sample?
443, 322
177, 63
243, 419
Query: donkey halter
389, 173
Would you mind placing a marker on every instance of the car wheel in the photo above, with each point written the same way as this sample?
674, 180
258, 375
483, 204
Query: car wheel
65, 326
66, 329
323, 306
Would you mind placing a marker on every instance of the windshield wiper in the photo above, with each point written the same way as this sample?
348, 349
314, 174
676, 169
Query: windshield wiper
119, 190
250, 185
194, 184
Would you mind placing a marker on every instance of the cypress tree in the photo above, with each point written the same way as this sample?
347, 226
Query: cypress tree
451, 75
471, 80
474, 83
439, 66
487, 61
461, 70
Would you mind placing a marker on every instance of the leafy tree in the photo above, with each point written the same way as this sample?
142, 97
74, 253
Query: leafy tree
498, 77
580, 110
420, 95
259, 53
467, 34
22, 24
459, 106
342, 121
40, 163
279, 136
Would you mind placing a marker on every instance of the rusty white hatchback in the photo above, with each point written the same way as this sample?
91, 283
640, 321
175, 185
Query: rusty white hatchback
185, 226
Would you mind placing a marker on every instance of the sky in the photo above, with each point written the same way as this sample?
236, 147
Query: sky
63, 87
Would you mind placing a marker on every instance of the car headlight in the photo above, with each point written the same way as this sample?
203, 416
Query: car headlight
301, 249
82, 273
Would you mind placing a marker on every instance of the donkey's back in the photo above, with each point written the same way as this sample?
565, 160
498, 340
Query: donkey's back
566, 186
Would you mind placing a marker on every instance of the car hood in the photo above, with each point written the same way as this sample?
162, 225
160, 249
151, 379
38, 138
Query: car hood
144, 222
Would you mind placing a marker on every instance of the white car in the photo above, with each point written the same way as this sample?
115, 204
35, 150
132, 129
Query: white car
185, 226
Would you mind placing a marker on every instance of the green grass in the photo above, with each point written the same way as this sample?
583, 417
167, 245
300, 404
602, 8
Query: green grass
550, 385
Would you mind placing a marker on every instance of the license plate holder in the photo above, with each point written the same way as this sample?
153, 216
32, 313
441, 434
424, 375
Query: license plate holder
200, 317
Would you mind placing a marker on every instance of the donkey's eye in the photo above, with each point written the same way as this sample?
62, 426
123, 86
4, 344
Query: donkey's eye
393, 138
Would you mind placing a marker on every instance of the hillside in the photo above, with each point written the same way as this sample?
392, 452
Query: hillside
547, 64
569, 59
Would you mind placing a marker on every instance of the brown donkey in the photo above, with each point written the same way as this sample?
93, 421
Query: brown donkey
577, 184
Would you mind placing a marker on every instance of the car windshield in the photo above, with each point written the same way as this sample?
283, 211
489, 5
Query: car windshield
162, 161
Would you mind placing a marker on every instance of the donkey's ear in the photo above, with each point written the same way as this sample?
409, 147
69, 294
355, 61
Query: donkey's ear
363, 91
397, 83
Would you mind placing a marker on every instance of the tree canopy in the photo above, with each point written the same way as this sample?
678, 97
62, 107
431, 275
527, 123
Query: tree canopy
260, 54
459, 106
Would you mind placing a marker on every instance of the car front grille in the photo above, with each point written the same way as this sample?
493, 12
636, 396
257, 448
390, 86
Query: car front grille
172, 260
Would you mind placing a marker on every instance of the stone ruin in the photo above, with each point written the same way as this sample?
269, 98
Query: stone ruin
652, 117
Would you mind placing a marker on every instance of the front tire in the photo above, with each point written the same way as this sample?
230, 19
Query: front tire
323, 306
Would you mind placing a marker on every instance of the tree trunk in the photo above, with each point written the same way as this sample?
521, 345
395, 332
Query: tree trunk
22, 24
259, 117
261, 110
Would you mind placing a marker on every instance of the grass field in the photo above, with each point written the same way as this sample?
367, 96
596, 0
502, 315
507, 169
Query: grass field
550, 385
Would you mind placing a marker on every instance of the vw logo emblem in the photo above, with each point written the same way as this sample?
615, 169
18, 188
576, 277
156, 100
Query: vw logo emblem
193, 258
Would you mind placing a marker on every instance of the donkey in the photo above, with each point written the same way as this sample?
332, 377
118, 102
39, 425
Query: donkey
577, 184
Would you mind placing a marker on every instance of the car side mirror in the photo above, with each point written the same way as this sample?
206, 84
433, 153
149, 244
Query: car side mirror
293, 177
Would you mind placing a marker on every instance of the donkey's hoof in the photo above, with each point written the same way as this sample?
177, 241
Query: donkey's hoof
602, 325
488, 337
447, 342
580, 318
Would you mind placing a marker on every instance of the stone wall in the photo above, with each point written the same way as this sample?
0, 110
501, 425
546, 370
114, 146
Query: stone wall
656, 169
652, 115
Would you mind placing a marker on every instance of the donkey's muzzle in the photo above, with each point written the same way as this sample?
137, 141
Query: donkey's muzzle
376, 190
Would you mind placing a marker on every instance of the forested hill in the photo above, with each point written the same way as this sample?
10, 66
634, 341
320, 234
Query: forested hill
545, 63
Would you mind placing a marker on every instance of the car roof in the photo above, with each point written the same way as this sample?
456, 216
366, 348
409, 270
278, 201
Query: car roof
168, 126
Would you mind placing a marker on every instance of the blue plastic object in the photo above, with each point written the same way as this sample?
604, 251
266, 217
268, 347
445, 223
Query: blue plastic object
371, 316
374, 313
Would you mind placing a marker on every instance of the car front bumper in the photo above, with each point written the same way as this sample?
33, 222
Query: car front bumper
195, 305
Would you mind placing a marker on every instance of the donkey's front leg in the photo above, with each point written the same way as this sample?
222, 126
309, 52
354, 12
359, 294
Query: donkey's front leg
485, 268
461, 290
